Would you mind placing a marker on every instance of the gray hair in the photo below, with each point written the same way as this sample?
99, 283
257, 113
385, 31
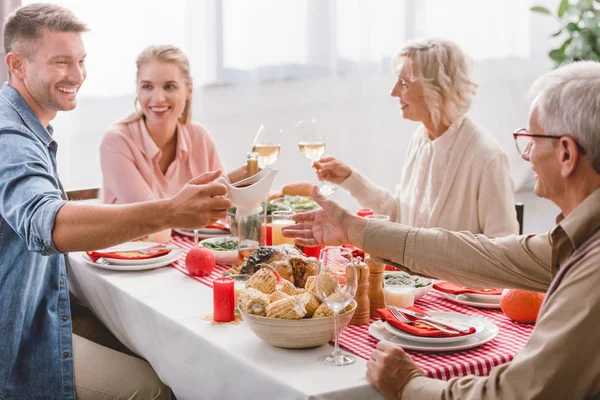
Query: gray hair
568, 103
26, 25
445, 72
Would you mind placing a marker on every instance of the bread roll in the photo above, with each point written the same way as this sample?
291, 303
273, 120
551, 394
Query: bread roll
274, 195
298, 189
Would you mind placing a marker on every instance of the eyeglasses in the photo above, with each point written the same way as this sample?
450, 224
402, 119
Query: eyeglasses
524, 139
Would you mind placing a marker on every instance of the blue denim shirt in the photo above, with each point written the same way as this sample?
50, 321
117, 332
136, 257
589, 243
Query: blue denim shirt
36, 359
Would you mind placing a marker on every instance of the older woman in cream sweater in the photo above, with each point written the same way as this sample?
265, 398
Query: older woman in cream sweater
456, 176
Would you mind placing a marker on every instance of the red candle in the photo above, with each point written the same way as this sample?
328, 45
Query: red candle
314, 251
223, 300
269, 234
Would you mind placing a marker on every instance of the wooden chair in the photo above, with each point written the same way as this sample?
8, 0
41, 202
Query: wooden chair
520, 207
83, 194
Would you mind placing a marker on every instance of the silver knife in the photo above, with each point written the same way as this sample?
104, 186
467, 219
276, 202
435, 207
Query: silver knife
458, 327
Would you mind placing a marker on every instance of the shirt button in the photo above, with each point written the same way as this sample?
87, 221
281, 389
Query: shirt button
64, 318
62, 282
65, 354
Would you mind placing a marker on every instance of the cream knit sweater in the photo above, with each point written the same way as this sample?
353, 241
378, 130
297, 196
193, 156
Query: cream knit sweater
459, 181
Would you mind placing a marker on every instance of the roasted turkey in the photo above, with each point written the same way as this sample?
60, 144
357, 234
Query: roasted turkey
287, 260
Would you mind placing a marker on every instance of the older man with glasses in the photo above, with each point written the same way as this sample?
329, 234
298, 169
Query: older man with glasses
561, 360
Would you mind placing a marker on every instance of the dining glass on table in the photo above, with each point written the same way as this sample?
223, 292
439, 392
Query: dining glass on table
337, 262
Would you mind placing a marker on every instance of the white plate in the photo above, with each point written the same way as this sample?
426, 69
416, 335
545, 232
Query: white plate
204, 233
468, 301
223, 257
483, 298
378, 331
448, 316
151, 262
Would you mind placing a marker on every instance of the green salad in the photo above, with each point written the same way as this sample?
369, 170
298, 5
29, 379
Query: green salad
399, 279
297, 203
224, 245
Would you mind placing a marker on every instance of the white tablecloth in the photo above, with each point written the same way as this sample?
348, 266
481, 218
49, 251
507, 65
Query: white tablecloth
159, 315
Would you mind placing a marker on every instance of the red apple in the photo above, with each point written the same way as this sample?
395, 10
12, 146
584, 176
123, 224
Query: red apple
200, 261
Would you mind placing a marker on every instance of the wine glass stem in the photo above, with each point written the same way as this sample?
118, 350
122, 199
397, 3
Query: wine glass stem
195, 238
336, 333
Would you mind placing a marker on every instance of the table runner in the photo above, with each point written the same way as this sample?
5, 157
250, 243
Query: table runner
356, 338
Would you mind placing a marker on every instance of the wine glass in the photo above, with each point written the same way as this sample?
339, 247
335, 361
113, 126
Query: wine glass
337, 291
312, 145
267, 144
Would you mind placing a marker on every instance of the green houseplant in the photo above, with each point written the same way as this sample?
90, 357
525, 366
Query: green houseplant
580, 26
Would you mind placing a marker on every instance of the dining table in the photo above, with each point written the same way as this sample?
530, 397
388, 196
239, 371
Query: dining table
165, 316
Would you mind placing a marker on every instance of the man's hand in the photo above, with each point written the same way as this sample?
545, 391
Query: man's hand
331, 225
332, 170
199, 203
389, 370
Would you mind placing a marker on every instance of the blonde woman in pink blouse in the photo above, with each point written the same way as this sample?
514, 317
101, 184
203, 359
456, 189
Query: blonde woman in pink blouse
157, 149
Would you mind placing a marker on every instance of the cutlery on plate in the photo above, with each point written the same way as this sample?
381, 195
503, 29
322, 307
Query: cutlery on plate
459, 327
402, 318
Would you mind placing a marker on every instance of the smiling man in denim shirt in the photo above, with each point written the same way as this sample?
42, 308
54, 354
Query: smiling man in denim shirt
39, 355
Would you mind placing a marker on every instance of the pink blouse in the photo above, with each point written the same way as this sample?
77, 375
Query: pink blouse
129, 161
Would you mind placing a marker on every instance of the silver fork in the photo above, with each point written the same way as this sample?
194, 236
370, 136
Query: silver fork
400, 317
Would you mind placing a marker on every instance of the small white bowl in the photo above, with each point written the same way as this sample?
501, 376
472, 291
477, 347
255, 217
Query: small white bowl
419, 292
296, 333
222, 257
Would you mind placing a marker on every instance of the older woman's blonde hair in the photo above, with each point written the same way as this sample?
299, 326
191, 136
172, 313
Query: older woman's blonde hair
168, 54
445, 72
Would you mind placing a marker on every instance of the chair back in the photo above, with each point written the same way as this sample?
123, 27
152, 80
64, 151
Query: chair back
520, 207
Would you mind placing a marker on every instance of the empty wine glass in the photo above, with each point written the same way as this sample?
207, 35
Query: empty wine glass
312, 145
337, 291
267, 143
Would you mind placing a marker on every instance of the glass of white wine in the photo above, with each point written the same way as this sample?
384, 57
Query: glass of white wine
267, 143
312, 145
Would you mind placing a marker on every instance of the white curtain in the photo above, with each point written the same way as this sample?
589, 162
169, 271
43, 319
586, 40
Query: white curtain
275, 62
234, 41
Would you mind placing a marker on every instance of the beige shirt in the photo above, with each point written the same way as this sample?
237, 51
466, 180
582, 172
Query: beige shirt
561, 360
459, 181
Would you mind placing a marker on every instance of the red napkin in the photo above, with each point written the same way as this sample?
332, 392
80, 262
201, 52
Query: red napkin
126, 255
452, 288
420, 330
218, 226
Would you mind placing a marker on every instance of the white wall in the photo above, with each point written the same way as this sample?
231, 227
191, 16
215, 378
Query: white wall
362, 123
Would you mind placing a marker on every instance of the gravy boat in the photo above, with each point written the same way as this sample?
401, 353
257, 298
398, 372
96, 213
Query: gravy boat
249, 193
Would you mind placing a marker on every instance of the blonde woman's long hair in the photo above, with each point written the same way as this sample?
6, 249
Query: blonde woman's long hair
167, 54
445, 72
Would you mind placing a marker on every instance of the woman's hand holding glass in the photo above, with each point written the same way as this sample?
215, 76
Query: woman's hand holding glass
332, 170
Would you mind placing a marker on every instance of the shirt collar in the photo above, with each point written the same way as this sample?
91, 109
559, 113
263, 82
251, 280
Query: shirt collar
444, 142
149, 145
583, 221
572, 231
26, 113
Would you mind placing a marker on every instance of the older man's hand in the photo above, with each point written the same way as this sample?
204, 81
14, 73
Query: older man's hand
332, 225
389, 370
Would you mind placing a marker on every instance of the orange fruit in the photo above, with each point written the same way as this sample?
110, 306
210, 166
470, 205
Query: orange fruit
521, 305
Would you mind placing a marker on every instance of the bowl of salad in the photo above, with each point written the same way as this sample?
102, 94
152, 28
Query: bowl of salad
296, 203
422, 285
225, 249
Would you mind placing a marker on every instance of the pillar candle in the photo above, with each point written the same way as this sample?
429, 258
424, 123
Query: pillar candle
223, 300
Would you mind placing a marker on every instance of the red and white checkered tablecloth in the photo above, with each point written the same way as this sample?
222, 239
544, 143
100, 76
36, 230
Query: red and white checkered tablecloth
478, 361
